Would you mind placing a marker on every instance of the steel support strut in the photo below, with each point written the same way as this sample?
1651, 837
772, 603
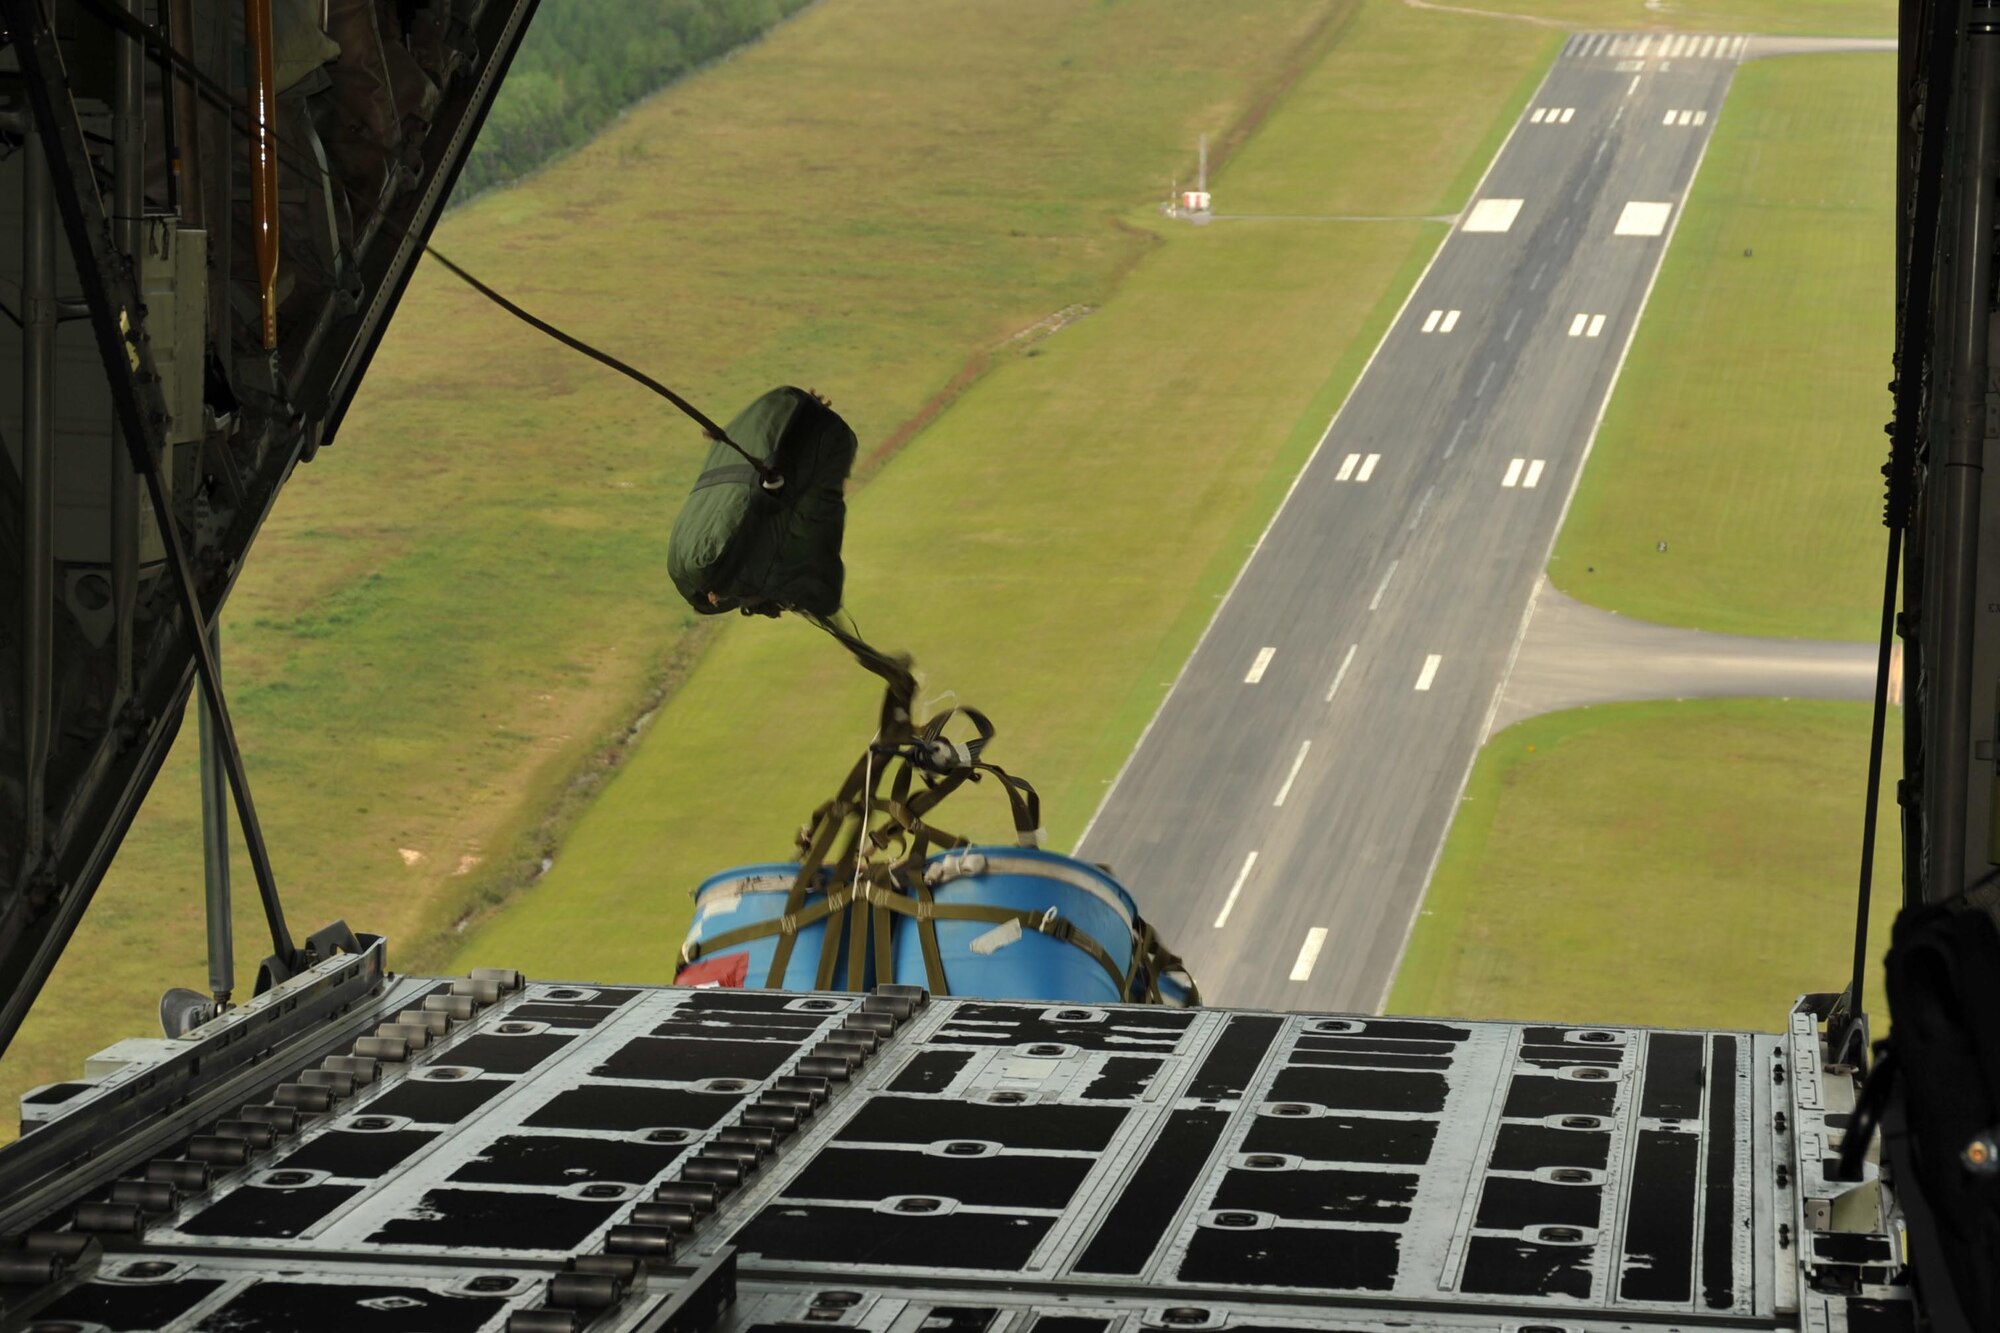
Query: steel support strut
116, 316
1963, 460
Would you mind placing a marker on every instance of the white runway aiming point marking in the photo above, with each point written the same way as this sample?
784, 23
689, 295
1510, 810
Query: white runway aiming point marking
1492, 215
1429, 673
1441, 321
1264, 656
1309, 953
1643, 219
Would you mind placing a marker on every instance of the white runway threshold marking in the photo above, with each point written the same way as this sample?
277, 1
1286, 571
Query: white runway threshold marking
1429, 673
1643, 219
1586, 326
1450, 321
1292, 776
1534, 474
1440, 321
1596, 326
1492, 215
1513, 477
1235, 889
1347, 467
1368, 467
1341, 674
1309, 953
1264, 656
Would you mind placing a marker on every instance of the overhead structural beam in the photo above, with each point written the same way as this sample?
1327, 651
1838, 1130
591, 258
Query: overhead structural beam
112, 298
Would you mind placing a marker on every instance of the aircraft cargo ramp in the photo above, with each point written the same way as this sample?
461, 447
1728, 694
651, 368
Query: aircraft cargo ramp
652, 1158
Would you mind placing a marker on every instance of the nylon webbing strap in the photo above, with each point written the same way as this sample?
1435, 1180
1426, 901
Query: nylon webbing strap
852, 835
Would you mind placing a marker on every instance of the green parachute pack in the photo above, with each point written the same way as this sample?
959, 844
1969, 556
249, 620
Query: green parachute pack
761, 531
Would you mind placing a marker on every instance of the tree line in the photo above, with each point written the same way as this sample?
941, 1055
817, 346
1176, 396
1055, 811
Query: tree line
584, 61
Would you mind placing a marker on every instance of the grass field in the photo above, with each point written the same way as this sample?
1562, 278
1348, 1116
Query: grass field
449, 626
461, 606
1683, 864
1842, 18
1052, 545
1745, 431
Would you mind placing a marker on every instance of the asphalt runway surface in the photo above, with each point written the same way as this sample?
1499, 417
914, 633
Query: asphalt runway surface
1280, 817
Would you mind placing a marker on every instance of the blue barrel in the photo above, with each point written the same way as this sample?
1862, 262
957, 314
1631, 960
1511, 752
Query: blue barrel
1009, 962
745, 896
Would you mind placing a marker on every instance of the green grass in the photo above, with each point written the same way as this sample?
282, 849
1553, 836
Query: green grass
1745, 430
1051, 547
1679, 864
1834, 18
455, 613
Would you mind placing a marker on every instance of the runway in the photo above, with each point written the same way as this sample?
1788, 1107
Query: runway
1280, 817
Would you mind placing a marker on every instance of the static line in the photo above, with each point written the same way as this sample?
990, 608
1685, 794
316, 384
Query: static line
1338, 676
1235, 889
1429, 673
1376, 600
1635, 86
1596, 326
1569, 114
1576, 325
1347, 467
1290, 778
1368, 467
1534, 474
1309, 953
1431, 320
1264, 656
1450, 321
1514, 467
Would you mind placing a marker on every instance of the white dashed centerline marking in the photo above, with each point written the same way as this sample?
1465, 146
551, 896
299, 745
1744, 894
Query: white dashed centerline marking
1309, 953
1341, 674
1429, 673
1292, 776
1376, 600
1492, 215
1368, 467
1264, 656
1235, 889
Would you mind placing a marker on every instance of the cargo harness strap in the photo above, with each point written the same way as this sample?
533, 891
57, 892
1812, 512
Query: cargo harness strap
887, 838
